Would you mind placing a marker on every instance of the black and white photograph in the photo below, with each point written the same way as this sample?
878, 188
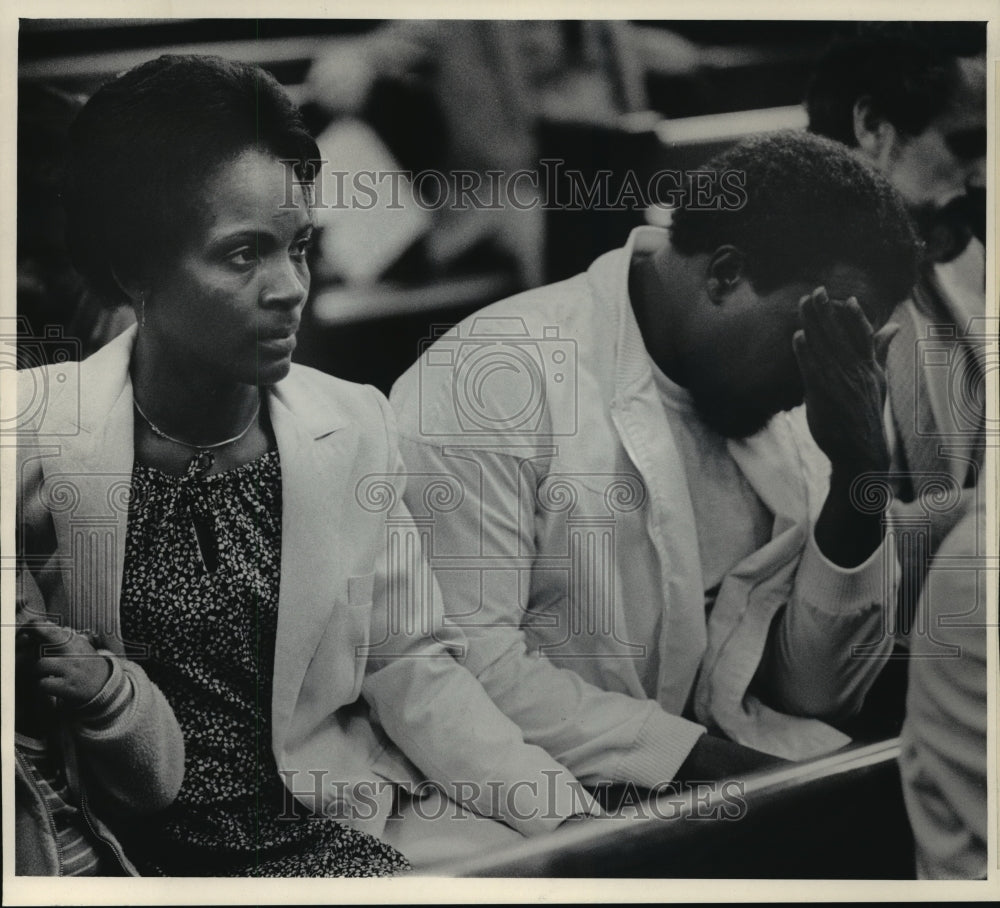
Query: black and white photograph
539, 457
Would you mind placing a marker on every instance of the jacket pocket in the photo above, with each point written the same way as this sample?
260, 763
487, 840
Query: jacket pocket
337, 667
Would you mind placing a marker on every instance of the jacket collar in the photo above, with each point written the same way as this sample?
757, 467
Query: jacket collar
106, 392
609, 276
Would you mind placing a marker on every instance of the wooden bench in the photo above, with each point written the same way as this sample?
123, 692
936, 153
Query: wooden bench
837, 817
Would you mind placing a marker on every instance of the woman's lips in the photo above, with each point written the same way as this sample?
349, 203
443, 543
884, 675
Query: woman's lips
284, 343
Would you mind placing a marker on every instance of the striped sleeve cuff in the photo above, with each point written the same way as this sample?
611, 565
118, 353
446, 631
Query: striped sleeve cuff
110, 703
660, 748
837, 590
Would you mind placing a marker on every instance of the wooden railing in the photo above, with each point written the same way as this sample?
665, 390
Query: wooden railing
840, 816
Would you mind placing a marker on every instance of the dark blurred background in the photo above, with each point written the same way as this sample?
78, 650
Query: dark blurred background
419, 95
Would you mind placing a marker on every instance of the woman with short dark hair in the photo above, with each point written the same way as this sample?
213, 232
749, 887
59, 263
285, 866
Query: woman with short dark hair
248, 573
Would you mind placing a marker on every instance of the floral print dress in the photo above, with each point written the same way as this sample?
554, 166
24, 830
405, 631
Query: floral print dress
199, 608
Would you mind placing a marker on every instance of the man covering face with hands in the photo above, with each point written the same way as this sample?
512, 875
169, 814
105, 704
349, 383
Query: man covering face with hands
653, 537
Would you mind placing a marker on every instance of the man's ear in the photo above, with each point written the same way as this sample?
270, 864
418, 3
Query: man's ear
726, 269
875, 135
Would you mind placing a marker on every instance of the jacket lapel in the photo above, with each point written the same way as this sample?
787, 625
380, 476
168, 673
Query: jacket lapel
789, 474
645, 434
789, 481
948, 442
316, 452
88, 487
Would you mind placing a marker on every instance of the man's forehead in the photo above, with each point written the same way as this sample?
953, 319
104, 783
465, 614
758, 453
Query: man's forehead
844, 280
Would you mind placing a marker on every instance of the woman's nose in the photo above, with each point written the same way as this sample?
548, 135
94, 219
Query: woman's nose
286, 285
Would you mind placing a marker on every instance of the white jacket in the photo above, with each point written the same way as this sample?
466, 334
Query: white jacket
570, 483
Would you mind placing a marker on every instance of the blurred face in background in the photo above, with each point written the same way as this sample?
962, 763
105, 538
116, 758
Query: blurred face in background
228, 304
941, 173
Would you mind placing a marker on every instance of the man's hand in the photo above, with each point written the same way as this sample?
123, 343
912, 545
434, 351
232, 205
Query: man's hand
713, 759
67, 665
842, 366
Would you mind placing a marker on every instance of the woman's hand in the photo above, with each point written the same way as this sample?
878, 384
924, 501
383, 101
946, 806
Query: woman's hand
66, 666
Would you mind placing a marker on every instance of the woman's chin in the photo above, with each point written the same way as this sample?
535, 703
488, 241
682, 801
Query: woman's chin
274, 359
270, 372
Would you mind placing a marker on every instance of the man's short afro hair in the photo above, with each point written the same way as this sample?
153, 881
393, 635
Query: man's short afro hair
810, 203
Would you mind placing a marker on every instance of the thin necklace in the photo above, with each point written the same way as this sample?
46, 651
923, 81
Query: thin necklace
203, 457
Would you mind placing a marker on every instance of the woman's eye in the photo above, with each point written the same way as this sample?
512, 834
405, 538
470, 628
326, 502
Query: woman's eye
301, 249
243, 258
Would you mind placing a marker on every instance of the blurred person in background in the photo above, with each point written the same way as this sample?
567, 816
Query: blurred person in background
466, 95
51, 297
910, 98
943, 756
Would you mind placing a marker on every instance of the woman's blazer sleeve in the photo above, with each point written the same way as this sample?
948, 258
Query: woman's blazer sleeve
435, 710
